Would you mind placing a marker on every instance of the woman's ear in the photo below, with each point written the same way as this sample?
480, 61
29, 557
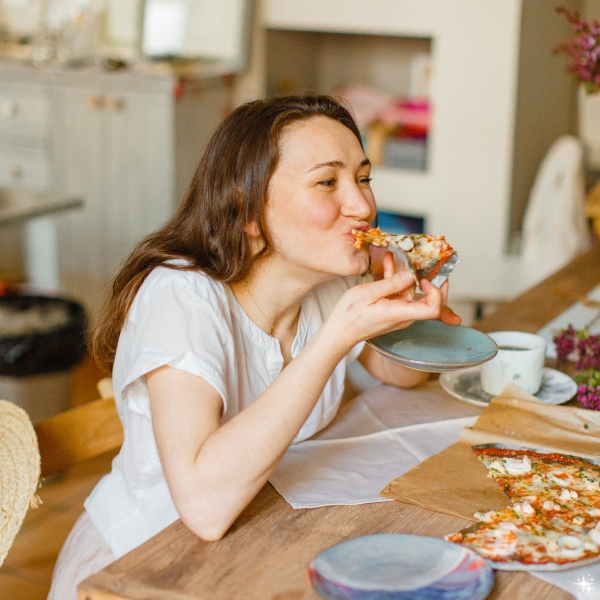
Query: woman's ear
252, 229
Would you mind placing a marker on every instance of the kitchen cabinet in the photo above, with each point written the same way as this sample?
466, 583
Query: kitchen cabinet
125, 142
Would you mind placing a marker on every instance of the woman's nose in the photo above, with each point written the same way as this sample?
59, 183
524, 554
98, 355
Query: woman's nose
358, 204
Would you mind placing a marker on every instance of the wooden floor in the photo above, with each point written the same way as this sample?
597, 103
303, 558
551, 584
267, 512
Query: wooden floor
27, 570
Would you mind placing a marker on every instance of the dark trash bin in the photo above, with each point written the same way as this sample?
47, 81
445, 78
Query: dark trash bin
41, 339
41, 334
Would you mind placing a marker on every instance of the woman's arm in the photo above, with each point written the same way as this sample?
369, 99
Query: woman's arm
214, 471
390, 372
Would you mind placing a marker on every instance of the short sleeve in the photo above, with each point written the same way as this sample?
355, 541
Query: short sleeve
176, 323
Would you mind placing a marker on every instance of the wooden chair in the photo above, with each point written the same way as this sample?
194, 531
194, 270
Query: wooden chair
80, 433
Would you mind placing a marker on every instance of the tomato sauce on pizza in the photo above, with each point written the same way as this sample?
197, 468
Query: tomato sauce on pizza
554, 511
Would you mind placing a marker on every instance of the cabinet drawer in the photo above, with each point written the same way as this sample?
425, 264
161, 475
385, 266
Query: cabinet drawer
24, 110
25, 167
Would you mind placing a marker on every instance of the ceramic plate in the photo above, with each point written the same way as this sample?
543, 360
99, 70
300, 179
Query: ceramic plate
435, 346
557, 387
395, 566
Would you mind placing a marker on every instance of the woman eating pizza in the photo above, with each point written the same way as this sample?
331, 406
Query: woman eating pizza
228, 331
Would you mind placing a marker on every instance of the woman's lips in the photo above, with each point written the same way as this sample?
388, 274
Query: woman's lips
361, 227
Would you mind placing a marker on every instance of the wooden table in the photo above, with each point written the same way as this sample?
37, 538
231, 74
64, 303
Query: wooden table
266, 553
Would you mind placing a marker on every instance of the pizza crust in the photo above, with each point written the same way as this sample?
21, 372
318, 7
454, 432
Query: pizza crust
553, 519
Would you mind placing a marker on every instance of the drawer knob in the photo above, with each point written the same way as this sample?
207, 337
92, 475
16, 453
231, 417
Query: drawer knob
14, 172
10, 109
96, 101
114, 103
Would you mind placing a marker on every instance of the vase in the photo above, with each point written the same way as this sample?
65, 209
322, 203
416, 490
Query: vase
589, 127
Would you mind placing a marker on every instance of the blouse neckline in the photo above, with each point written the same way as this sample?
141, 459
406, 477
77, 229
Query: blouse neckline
264, 340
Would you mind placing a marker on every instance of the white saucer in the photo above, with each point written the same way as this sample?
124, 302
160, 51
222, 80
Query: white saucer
557, 387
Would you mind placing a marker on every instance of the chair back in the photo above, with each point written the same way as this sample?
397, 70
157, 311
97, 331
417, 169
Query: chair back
554, 226
78, 434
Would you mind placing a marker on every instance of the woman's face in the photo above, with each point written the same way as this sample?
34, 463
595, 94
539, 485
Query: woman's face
317, 195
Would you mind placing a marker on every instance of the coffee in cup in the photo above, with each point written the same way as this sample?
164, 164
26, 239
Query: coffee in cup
520, 361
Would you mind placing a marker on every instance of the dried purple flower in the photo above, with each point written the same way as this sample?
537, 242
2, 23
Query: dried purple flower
583, 49
589, 396
587, 347
565, 344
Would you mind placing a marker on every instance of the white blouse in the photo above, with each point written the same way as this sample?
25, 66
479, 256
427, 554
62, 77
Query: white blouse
191, 322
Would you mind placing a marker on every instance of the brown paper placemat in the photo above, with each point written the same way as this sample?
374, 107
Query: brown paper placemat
456, 483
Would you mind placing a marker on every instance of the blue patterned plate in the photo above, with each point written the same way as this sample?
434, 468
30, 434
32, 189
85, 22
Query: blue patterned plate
394, 566
436, 347
557, 387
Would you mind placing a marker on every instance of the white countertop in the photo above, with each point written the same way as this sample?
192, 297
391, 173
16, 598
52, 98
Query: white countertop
24, 205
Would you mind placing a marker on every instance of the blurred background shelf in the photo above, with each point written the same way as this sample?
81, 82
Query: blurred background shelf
499, 99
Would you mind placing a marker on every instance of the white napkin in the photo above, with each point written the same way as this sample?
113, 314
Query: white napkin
387, 407
354, 470
577, 315
574, 581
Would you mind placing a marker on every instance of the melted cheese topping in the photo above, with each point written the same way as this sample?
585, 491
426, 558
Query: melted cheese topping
425, 253
554, 511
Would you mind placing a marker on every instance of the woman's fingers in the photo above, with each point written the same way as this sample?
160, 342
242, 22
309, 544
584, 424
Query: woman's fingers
389, 286
428, 306
444, 290
408, 293
448, 316
394, 288
389, 268
429, 288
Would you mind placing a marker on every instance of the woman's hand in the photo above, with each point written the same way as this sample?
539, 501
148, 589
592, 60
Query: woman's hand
375, 308
447, 315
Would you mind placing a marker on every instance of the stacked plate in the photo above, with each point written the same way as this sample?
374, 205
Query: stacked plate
393, 566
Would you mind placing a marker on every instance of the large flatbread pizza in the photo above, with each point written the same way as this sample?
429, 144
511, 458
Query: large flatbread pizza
553, 520
427, 256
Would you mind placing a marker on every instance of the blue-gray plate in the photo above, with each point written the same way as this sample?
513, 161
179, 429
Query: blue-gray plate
557, 387
394, 566
436, 347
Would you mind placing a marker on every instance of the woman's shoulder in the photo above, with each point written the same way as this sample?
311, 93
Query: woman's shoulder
175, 274
173, 282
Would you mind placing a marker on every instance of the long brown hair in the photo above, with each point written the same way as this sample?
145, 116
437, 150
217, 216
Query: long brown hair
228, 191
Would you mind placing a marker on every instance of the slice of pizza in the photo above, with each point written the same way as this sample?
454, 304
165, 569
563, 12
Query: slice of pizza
554, 512
427, 256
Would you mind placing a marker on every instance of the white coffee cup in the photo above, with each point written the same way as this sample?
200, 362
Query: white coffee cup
520, 360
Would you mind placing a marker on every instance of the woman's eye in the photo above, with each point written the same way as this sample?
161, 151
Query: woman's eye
328, 182
366, 181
